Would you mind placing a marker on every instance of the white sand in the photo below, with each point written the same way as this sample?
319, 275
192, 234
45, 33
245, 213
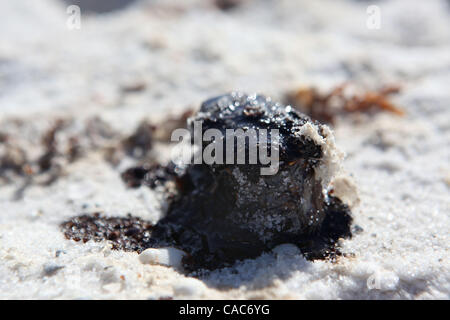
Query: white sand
187, 51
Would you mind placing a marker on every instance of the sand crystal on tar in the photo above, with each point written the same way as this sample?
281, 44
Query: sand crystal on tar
228, 212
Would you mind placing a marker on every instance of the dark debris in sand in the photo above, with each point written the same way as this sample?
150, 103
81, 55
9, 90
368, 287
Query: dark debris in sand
205, 220
326, 107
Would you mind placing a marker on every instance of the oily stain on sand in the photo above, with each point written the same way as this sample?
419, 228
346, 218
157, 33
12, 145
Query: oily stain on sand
226, 212
134, 234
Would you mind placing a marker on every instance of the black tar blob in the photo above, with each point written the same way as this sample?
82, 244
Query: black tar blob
223, 212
